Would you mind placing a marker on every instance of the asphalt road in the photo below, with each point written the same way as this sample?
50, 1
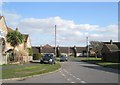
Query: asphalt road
74, 72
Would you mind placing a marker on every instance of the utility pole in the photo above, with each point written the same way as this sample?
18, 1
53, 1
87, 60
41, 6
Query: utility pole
68, 51
55, 40
87, 42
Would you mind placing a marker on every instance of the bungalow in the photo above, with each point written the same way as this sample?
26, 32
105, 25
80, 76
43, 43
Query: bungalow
111, 52
62, 50
81, 51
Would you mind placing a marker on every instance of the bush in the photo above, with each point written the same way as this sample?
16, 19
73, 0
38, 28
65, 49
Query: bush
30, 51
37, 56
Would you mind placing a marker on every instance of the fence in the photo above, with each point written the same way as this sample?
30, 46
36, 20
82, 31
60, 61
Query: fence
20, 59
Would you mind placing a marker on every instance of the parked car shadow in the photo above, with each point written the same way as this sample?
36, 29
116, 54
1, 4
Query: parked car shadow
34, 62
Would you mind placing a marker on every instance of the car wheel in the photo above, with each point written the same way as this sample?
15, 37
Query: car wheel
41, 62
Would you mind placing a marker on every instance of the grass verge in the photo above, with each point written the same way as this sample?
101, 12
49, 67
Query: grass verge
28, 70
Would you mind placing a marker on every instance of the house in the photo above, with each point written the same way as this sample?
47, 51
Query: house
81, 51
111, 52
21, 50
47, 49
43, 49
2, 47
63, 50
111, 42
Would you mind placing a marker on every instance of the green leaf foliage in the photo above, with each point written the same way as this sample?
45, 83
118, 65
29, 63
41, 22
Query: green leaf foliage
15, 38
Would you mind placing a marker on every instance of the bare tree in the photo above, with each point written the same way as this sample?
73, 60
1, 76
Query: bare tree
96, 47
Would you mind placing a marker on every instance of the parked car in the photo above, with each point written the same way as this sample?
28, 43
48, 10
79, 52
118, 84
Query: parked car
63, 58
48, 58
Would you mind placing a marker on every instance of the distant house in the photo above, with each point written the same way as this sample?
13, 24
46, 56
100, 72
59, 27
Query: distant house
111, 52
81, 51
63, 50
47, 49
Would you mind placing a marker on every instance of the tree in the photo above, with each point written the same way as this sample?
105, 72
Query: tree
96, 46
30, 51
14, 38
58, 52
75, 51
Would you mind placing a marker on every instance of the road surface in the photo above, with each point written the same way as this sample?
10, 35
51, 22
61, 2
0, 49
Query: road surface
74, 72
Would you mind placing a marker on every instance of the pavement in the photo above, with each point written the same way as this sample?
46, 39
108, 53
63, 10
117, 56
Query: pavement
74, 72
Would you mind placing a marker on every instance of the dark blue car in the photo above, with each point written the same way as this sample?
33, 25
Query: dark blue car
48, 58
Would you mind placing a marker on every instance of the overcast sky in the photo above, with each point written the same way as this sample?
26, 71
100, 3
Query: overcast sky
75, 21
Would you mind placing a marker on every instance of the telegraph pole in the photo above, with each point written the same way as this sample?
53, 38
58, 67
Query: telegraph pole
55, 40
87, 42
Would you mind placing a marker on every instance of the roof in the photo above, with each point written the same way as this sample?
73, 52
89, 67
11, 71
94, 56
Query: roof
10, 29
49, 49
36, 49
47, 46
1, 17
117, 43
80, 49
25, 37
112, 47
64, 49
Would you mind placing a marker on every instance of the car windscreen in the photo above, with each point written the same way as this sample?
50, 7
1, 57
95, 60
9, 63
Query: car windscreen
47, 56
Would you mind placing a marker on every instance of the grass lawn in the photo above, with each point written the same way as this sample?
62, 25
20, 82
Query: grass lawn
99, 61
27, 70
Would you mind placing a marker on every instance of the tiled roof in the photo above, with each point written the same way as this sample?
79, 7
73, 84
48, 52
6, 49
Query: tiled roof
47, 46
117, 43
10, 29
47, 50
64, 49
36, 49
50, 49
112, 47
1, 17
80, 49
25, 37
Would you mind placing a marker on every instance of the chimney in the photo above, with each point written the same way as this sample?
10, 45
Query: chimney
111, 42
16, 29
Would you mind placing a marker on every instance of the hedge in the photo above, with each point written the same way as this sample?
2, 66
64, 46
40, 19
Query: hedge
37, 56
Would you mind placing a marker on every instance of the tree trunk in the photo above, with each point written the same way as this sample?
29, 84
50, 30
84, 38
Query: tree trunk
13, 54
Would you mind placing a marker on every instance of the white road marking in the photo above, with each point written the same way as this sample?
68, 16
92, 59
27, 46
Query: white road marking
72, 76
78, 79
68, 79
66, 71
63, 75
72, 82
83, 82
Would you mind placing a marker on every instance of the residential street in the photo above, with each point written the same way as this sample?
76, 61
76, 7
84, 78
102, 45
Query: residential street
74, 72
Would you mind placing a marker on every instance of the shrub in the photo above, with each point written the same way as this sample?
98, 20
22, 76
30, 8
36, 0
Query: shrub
37, 56
30, 51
